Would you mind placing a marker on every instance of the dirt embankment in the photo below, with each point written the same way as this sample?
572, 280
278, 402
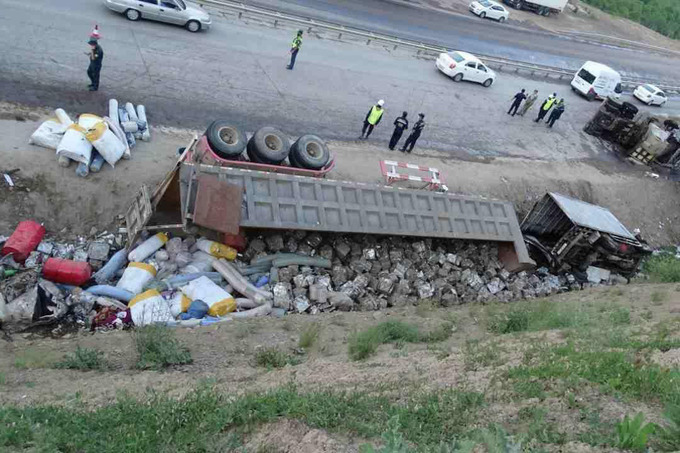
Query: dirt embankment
67, 203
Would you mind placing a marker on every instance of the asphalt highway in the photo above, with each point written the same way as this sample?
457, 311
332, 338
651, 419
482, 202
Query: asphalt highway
236, 71
476, 35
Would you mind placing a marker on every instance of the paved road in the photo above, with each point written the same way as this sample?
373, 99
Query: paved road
237, 71
476, 35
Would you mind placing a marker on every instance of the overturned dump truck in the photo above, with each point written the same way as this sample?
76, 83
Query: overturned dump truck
563, 233
214, 200
644, 138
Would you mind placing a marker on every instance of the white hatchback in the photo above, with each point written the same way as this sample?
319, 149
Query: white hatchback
464, 66
650, 95
492, 10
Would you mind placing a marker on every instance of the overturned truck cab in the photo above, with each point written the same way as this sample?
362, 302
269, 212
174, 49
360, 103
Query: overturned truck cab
564, 233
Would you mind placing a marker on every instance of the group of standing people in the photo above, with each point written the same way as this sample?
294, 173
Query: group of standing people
551, 103
374, 116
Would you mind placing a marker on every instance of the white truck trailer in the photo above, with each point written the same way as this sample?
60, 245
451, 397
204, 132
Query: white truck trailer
542, 7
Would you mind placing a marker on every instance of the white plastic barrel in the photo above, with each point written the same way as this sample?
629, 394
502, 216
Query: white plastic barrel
106, 143
219, 301
136, 275
75, 145
63, 117
149, 308
141, 114
148, 247
113, 111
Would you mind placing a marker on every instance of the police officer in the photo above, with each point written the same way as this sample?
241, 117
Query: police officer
547, 105
400, 125
96, 55
415, 134
372, 119
294, 49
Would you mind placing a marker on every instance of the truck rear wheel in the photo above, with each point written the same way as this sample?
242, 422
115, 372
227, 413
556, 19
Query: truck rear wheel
309, 151
269, 145
226, 139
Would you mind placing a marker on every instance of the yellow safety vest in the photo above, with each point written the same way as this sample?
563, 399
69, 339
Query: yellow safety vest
375, 115
549, 103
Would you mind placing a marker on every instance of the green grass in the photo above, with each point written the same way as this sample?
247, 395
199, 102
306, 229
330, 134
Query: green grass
538, 428
364, 344
196, 421
633, 433
662, 268
157, 348
84, 359
32, 358
273, 357
658, 297
614, 371
309, 336
669, 432
479, 354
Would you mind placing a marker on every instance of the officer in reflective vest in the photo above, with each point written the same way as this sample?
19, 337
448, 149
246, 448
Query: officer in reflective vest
545, 107
372, 119
294, 49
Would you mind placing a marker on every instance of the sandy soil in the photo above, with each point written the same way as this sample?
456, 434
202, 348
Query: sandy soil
71, 205
584, 19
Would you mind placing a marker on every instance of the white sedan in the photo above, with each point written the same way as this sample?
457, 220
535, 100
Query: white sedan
464, 66
177, 12
650, 95
492, 10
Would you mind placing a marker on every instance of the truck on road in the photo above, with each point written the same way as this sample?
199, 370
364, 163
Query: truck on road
542, 7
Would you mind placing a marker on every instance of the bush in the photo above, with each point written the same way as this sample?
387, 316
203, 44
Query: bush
662, 268
362, 345
273, 358
83, 359
158, 348
633, 433
309, 336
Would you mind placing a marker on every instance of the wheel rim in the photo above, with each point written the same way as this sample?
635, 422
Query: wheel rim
314, 150
273, 142
133, 15
228, 135
193, 26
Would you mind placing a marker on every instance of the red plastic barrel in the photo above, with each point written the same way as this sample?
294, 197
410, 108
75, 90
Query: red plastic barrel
24, 240
67, 271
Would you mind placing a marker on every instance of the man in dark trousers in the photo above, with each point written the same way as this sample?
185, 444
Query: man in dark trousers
545, 107
556, 113
294, 49
415, 134
96, 55
372, 119
518, 98
400, 125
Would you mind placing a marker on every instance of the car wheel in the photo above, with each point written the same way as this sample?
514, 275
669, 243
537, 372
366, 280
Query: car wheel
483, 15
269, 145
487, 83
226, 139
309, 151
193, 26
501, 19
458, 77
519, 4
133, 14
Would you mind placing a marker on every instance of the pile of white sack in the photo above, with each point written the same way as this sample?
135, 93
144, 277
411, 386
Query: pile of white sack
93, 140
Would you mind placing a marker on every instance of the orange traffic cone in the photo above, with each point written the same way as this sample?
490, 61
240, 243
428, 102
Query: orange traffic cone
95, 32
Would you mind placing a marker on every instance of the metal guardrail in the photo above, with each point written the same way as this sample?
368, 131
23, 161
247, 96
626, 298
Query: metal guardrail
422, 48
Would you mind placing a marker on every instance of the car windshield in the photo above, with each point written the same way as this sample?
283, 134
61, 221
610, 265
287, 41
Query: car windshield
585, 75
457, 57
484, 2
649, 88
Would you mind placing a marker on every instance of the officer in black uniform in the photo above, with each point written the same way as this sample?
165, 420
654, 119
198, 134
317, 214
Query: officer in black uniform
96, 55
400, 125
415, 134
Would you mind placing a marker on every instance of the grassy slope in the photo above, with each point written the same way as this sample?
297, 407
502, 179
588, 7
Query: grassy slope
538, 375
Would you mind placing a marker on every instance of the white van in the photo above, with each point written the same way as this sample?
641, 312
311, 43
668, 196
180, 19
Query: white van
597, 81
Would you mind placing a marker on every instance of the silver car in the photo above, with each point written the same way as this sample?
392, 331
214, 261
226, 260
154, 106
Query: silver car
178, 12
